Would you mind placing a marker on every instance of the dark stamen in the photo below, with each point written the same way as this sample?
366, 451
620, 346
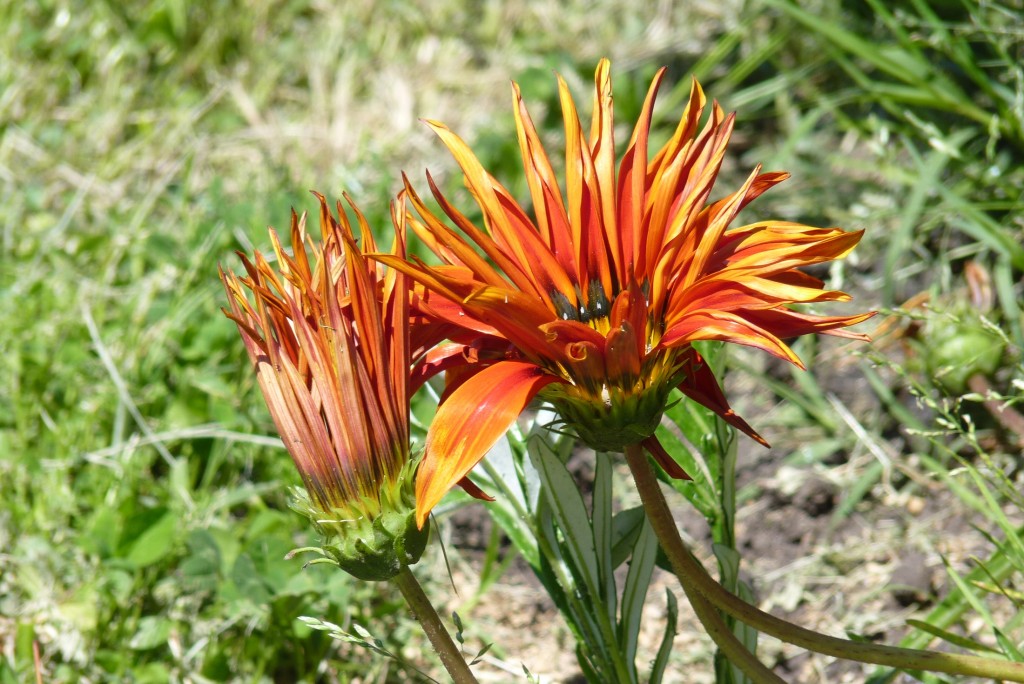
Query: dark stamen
598, 305
565, 308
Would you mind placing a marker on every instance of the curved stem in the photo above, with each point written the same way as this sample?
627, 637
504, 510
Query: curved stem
442, 642
691, 573
730, 646
716, 627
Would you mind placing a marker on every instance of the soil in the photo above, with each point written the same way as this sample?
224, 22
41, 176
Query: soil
864, 571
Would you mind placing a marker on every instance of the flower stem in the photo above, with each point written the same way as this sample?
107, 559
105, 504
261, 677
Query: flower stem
716, 627
692, 574
442, 642
729, 645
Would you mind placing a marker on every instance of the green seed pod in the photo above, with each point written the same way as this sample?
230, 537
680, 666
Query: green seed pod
957, 348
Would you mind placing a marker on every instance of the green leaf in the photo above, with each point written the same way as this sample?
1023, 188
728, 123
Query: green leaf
665, 649
951, 637
201, 568
500, 471
102, 531
508, 476
569, 513
700, 491
7, 674
151, 673
153, 631
155, 542
603, 530
928, 174
635, 590
247, 579
729, 564
745, 633
119, 584
25, 634
1008, 646
268, 554
481, 653
626, 528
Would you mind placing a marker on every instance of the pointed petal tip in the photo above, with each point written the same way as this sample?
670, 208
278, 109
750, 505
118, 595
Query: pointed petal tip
428, 495
422, 512
759, 439
667, 463
435, 125
470, 488
468, 423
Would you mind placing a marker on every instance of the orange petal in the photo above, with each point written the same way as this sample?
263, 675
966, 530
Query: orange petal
584, 199
469, 422
508, 223
602, 151
787, 323
548, 205
450, 356
707, 324
633, 178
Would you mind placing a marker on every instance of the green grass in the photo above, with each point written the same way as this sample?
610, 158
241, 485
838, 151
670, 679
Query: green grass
144, 500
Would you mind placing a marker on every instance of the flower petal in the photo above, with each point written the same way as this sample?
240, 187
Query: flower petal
709, 324
701, 385
632, 182
667, 463
469, 422
548, 204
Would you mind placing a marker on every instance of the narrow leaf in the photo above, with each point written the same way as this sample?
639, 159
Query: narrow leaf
569, 513
603, 531
635, 591
665, 649
951, 637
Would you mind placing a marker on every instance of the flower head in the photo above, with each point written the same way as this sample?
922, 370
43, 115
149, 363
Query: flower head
331, 347
595, 300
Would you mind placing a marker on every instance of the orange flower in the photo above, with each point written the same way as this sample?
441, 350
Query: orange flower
331, 347
595, 301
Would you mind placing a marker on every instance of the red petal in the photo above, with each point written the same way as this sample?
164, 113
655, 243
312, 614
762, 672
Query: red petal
667, 463
702, 386
548, 205
469, 422
786, 323
473, 490
623, 355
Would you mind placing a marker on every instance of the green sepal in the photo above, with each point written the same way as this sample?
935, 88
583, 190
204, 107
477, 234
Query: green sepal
378, 551
622, 418
372, 539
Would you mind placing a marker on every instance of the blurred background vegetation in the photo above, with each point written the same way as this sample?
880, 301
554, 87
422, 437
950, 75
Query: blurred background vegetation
143, 497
